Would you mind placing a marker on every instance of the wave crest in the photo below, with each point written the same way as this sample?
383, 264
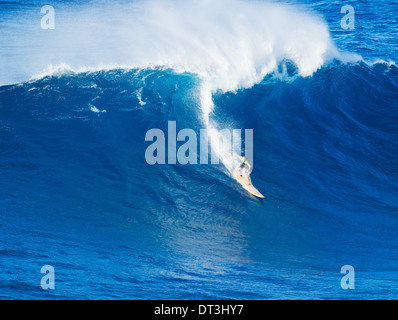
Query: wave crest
231, 44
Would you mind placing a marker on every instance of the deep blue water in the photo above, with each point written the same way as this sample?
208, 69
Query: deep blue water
76, 192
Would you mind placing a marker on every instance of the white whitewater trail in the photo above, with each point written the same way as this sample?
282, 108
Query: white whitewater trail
228, 44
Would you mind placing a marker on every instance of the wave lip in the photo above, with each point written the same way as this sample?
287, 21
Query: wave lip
232, 44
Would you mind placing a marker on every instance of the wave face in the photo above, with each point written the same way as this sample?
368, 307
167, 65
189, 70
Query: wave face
76, 192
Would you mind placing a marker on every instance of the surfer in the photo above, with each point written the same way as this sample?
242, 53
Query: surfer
244, 167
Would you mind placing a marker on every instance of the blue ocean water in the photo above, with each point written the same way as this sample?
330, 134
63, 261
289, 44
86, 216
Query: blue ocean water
76, 191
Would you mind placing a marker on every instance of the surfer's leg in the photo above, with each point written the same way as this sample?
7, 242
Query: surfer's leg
248, 179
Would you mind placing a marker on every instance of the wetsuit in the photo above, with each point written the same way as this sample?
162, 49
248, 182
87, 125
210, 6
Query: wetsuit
244, 166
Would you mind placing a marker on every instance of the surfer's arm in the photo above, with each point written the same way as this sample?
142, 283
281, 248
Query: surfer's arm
235, 155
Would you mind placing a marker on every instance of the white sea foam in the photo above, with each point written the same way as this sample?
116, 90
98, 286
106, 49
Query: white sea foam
230, 44
389, 63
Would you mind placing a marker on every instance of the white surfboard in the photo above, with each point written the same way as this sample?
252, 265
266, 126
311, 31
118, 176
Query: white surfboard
250, 188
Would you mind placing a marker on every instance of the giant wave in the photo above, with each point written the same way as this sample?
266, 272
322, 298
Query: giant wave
77, 192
